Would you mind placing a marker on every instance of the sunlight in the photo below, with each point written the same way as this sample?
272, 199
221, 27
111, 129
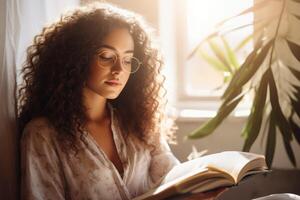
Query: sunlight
202, 18
204, 15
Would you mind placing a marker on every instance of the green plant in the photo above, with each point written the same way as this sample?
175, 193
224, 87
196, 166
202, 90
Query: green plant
271, 71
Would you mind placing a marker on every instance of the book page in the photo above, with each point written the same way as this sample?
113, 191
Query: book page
231, 162
234, 162
209, 184
179, 180
207, 172
181, 170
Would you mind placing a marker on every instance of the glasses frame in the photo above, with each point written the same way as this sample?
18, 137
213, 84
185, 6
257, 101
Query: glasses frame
117, 56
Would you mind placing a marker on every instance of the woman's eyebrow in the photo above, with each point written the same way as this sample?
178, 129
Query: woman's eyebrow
114, 49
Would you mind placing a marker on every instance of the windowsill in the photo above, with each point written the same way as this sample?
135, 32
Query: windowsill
203, 117
203, 111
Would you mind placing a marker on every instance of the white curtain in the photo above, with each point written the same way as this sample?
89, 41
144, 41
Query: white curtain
20, 20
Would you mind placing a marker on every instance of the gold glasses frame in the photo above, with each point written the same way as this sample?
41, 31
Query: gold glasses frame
109, 58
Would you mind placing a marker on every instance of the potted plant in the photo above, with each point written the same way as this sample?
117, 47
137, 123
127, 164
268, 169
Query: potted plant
271, 72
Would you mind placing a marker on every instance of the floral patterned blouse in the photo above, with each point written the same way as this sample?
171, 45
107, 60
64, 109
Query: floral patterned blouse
49, 173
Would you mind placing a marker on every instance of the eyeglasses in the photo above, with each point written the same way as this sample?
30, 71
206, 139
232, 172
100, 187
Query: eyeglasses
108, 59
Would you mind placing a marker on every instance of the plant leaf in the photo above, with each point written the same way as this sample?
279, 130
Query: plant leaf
247, 70
220, 55
233, 85
245, 41
253, 125
296, 106
244, 66
296, 130
295, 48
279, 116
260, 25
230, 54
212, 61
280, 119
295, 72
232, 29
255, 7
289, 150
271, 141
297, 88
212, 35
296, 93
208, 127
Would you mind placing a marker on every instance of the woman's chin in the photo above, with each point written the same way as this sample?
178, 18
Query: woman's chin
112, 96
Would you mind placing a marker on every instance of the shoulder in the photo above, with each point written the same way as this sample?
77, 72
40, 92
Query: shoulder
39, 128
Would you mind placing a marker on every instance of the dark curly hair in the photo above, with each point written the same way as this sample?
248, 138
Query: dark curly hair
57, 67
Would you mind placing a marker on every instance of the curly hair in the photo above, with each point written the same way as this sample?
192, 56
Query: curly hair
57, 67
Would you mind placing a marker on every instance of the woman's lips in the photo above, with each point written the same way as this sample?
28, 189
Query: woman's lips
113, 83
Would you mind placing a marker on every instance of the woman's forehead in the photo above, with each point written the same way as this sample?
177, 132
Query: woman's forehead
109, 48
118, 40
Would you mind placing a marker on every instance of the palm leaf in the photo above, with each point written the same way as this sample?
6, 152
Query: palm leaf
243, 69
271, 141
256, 7
296, 130
247, 70
295, 102
295, 48
245, 41
233, 87
288, 148
253, 125
259, 26
230, 54
220, 55
287, 126
194, 51
213, 123
281, 121
220, 33
295, 72
212, 61
296, 106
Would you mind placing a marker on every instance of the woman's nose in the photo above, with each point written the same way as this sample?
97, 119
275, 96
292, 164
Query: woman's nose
117, 67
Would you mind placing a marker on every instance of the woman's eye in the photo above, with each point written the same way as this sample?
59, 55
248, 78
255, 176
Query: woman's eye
103, 57
127, 61
106, 55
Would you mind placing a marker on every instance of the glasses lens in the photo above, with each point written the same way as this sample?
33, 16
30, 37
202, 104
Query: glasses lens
131, 64
107, 59
135, 65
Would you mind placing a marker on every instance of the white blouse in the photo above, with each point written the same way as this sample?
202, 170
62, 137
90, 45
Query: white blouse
50, 173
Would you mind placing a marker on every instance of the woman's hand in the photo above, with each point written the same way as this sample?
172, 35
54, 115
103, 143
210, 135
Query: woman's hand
210, 195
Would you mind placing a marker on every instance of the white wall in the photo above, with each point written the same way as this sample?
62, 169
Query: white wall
228, 137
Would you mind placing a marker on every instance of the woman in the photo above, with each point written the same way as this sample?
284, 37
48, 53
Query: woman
91, 109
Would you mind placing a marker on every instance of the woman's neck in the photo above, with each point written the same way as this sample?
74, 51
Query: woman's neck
97, 110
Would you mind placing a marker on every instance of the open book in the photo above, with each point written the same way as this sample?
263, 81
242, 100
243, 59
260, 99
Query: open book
208, 172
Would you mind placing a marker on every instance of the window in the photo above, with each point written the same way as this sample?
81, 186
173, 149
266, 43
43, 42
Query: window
193, 85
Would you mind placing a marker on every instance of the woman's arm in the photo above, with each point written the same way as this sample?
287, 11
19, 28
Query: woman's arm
162, 161
41, 173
